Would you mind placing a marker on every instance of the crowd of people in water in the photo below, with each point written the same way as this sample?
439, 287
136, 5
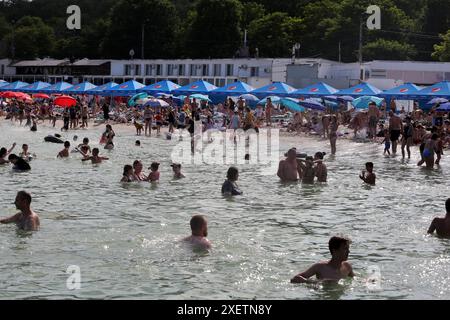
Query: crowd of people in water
429, 131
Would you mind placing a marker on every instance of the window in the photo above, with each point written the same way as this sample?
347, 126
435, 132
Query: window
217, 70
3, 69
254, 72
127, 71
220, 83
159, 69
170, 69
148, 70
230, 70
181, 70
205, 70
137, 69
192, 71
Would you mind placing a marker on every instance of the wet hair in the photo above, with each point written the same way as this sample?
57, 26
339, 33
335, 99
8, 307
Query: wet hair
247, 157
85, 140
13, 157
319, 155
66, 144
126, 168
197, 222
108, 126
95, 150
25, 196
447, 205
155, 165
24, 145
369, 165
232, 173
138, 143
136, 162
336, 242
3, 152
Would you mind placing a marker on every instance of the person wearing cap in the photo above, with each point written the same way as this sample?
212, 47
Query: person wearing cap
288, 169
176, 167
154, 174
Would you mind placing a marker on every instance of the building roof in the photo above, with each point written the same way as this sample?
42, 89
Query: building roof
41, 63
89, 63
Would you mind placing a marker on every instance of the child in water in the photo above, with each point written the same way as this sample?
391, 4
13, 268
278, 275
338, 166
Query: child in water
387, 142
308, 170
368, 177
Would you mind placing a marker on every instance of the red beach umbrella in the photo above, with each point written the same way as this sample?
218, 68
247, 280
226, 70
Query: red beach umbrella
11, 95
41, 96
23, 96
65, 101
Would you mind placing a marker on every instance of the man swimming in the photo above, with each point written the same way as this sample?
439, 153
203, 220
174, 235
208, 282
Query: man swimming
333, 270
26, 219
199, 228
288, 169
442, 225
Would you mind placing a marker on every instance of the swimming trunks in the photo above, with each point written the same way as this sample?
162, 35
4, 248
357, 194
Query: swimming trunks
427, 153
395, 134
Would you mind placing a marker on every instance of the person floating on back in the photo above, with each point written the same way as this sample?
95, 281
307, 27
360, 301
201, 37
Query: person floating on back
368, 177
199, 228
333, 270
26, 219
442, 225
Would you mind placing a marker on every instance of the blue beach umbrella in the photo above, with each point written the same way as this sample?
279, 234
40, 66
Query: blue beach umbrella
292, 104
56, 88
363, 102
133, 100
35, 87
198, 96
363, 89
436, 101
81, 88
14, 87
444, 107
165, 86
100, 89
317, 90
274, 99
312, 104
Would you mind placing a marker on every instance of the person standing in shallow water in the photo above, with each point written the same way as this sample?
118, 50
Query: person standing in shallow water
229, 187
442, 225
26, 219
334, 125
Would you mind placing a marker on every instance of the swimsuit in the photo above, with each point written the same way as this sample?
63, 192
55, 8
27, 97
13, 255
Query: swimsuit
395, 134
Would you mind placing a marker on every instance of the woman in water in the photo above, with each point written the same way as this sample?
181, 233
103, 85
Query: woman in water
108, 137
127, 174
334, 125
229, 187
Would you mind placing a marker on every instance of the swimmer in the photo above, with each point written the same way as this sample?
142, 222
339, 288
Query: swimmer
320, 169
75, 138
26, 219
84, 147
230, 187
64, 153
154, 174
199, 228
127, 174
95, 158
138, 143
308, 171
25, 155
442, 225
288, 169
138, 175
370, 177
333, 270
4, 153
19, 163
176, 167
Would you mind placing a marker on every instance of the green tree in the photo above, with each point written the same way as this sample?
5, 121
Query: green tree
31, 38
251, 11
275, 34
382, 49
125, 31
442, 50
215, 32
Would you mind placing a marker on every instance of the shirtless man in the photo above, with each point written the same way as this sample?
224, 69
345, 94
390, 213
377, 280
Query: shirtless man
288, 170
407, 137
26, 219
199, 228
395, 129
442, 225
333, 270
64, 153
95, 158
370, 177
374, 115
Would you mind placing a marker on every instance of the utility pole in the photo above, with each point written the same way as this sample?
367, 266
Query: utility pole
143, 40
360, 59
340, 60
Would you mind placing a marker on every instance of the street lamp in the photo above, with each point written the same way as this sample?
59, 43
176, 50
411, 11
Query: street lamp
131, 53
